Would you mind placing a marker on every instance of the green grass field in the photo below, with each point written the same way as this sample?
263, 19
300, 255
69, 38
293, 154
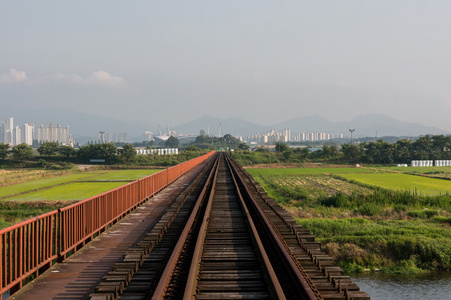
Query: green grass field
39, 184
69, 187
71, 191
420, 170
123, 174
38, 195
307, 171
393, 181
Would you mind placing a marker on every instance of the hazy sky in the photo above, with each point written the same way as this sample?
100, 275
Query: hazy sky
264, 61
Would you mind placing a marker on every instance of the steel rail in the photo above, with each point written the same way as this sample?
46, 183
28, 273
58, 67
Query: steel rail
194, 269
302, 279
170, 267
276, 287
192, 281
282, 241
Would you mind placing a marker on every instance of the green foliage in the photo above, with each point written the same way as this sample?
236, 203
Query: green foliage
263, 149
243, 146
423, 214
353, 153
405, 244
193, 148
4, 149
326, 153
166, 160
67, 151
62, 165
226, 142
441, 220
48, 149
107, 151
172, 142
281, 147
422, 241
22, 151
128, 153
405, 266
42, 163
379, 152
306, 171
14, 212
263, 156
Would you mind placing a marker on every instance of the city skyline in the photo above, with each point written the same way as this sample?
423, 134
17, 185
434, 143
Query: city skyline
29, 133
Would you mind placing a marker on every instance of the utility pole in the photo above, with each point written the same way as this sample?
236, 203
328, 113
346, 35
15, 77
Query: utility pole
352, 131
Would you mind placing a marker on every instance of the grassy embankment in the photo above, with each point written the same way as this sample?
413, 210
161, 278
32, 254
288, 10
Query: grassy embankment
22, 200
370, 218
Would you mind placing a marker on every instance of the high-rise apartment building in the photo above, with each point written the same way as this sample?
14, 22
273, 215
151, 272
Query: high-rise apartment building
26, 133
2, 132
56, 134
270, 137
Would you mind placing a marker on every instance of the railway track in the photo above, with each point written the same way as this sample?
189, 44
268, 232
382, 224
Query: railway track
224, 238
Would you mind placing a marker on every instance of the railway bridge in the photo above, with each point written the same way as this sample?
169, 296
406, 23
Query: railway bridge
203, 229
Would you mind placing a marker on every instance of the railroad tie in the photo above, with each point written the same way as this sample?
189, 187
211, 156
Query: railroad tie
101, 297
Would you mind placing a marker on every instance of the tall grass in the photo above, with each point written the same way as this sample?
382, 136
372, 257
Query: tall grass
396, 231
14, 212
393, 241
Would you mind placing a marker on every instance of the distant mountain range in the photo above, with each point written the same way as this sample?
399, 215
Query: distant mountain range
364, 125
233, 126
86, 127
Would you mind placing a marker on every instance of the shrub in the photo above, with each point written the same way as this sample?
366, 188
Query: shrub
423, 214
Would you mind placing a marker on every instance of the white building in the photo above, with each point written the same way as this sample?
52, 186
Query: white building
270, 137
316, 136
2, 132
56, 134
26, 133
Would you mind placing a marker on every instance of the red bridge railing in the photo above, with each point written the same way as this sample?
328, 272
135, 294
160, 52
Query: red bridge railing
32, 246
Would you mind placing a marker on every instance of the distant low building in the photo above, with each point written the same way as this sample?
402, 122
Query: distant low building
163, 151
316, 136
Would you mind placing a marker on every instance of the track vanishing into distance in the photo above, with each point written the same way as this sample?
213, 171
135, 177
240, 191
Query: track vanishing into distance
224, 238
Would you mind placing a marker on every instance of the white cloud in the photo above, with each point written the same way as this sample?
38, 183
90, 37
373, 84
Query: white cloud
105, 78
13, 76
95, 79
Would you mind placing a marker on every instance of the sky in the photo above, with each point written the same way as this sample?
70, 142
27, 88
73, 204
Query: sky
171, 62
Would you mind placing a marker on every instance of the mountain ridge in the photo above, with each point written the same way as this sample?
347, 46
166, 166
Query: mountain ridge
87, 125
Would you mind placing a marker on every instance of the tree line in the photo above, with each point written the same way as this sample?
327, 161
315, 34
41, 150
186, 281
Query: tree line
108, 152
403, 151
428, 147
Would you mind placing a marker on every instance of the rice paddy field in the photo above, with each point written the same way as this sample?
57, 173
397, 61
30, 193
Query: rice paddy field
63, 187
24, 194
398, 181
393, 219
74, 191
